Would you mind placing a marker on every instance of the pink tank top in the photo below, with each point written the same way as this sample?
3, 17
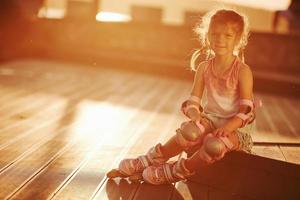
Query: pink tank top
221, 95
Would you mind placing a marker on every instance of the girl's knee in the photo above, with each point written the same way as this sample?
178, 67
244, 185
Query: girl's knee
214, 148
190, 133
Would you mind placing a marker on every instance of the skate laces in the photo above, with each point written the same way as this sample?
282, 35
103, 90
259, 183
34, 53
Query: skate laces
166, 173
137, 165
180, 170
131, 166
155, 155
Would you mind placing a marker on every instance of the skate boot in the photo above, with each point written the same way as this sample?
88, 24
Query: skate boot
166, 173
134, 167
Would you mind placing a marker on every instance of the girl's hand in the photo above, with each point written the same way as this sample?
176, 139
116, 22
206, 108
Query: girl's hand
221, 132
193, 114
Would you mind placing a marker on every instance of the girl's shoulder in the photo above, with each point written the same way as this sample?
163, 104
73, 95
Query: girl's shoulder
202, 66
244, 70
244, 67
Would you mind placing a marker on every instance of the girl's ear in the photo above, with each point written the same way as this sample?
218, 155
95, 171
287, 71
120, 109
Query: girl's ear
237, 40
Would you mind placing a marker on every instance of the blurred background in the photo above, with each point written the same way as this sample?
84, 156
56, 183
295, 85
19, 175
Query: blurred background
150, 35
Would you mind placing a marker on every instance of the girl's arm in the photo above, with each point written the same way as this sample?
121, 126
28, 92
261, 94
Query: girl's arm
245, 92
197, 91
198, 84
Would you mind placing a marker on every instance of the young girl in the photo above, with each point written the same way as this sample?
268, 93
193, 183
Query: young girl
220, 106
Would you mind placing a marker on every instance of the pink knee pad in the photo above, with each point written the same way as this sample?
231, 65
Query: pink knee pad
189, 134
214, 148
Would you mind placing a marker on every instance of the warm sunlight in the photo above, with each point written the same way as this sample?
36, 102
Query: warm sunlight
101, 118
112, 17
54, 13
268, 5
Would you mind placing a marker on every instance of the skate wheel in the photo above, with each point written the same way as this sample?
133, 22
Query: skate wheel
136, 178
115, 173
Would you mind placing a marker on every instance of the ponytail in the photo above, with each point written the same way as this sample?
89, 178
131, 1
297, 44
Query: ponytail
241, 55
194, 57
203, 51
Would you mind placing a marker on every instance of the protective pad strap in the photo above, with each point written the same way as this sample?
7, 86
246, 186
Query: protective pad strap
153, 156
145, 162
185, 109
168, 171
227, 142
195, 99
205, 156
184, 143
246, 118
211, 158
247, 102
243, 116
200, 126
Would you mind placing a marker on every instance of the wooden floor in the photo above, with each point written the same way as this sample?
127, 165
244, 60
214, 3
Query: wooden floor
63, 126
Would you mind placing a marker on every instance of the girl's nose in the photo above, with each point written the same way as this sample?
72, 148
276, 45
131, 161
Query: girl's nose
220, 37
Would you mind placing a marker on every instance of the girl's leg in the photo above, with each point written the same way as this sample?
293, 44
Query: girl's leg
171, 148
183, 168
159, 154
197, 160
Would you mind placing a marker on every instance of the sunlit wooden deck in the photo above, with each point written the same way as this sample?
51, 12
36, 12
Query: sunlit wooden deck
63, 126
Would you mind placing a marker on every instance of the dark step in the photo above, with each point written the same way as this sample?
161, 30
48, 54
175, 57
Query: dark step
243, 176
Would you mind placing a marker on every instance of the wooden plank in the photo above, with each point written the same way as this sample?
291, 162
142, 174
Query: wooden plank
268, 151
18, 104
13, 149
114, 82
61, 170
83, 184
267, 114
166, 123
122, 137
36, 113
66, 88
261, 121
71, 93
165, 191
286, 127
70, 155
34, 158
291, 111
279, 127
100, 193
291, 153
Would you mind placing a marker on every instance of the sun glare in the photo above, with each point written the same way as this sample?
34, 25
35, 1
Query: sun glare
54, 13
94, 119
268, 5
112, 17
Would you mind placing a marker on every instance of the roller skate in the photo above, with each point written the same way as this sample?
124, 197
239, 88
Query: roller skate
167, 173
133, 168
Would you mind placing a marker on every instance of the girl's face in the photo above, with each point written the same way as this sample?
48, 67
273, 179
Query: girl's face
222, 38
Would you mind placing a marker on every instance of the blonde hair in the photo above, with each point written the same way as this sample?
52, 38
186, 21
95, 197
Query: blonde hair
224, 16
